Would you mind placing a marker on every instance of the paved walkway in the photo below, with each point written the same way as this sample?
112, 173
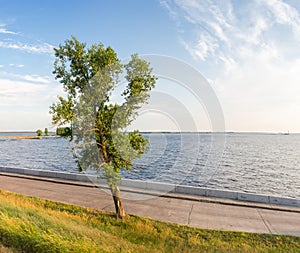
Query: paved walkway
181, 209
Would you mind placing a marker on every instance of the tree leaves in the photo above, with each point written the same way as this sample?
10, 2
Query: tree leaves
89, 76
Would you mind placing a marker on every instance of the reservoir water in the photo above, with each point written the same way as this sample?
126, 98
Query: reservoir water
247, 162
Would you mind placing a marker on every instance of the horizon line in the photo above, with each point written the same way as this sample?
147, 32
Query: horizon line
167, 131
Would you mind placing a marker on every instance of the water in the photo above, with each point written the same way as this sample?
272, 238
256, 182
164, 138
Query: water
257, 163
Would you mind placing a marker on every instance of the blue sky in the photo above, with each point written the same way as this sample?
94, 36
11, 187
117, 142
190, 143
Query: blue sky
249, 51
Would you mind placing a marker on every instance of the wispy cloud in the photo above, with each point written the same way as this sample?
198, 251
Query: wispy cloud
166, 4
28, 100
205, 46
16, 65
3, 30
26, 93
34, 79
10, 88
222, 28
283, 13
15, 42
40, 48
253, 48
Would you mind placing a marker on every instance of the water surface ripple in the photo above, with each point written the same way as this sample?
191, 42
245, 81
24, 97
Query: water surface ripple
257, 163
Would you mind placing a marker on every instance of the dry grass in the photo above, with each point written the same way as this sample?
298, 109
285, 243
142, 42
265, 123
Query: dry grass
5, 250
33, 225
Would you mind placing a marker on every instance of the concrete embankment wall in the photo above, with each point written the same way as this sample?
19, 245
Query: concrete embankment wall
161, 187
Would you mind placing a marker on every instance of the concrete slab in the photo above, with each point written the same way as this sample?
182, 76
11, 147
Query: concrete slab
67, 176
136, 196
230, 218
82, 178
134, 183
171, 210
284, 201
14, 170
48, 174
221, 194
32, 172
163, 187
190, 190
94, 180
282, 222
228, 224
253, 197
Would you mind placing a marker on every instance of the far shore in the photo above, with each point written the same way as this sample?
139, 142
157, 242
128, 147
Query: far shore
28, 137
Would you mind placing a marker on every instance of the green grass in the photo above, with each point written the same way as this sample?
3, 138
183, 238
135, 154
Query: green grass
33, 225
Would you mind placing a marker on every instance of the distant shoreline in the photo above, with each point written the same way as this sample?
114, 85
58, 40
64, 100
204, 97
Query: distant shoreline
167, 132
27, 137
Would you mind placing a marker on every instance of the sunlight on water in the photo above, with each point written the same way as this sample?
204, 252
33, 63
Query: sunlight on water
256, 163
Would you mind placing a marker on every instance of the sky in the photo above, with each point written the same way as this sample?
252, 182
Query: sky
248, 51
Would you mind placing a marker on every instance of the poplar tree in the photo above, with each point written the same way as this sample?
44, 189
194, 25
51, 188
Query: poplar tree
89, 75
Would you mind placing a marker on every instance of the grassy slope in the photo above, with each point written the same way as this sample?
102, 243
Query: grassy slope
5, 250
35, 225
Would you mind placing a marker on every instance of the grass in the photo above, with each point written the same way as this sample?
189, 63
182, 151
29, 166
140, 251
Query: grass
30, 224
5, 249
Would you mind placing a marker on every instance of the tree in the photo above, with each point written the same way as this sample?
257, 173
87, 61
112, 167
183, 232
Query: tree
63, 131
39, 132
46, 132
97, 123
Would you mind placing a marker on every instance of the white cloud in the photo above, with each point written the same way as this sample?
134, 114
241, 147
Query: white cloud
205, 46
260, 95
231, 27
24, 93
10, 87
253, 47
28, 102
16, 65
27, 120
29, 78
5, 31
166, 5
284, 13
41, 48
36, 78
25, 98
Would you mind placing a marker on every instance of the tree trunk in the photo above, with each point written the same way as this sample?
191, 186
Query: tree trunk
118, 202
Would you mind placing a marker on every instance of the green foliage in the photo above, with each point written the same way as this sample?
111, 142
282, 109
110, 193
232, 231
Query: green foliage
35, 225
39, 132
46, 133
63, 131
62, 111
89, 76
